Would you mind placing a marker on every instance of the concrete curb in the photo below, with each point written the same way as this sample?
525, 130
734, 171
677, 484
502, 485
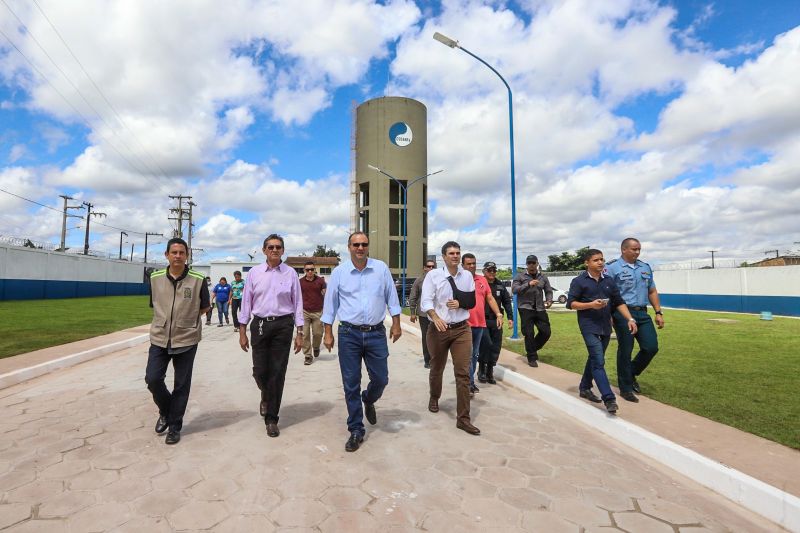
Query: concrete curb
24, 374
761, 498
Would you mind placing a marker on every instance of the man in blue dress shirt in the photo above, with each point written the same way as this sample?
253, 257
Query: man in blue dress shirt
637, 287
359, 291
593, 293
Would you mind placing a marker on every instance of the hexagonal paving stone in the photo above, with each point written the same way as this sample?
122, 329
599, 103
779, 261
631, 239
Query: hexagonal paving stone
198, 515
66, 504
253, 500
547, 521
303, 486
671, 512
380, 486
345, 498
93, 479
145, 469
214, 489
491, 512
145, 525
470, 487
641, 523
11, 513
449, 521
159, 502
349, 521
525, 499
100, 517
65, 469
531, 467
180, 478
115, 460
299, 513
36, 491
487, 459
581, 513
607, 499
125, 490
245, 524
16, 478
87, 452
41, 526
456, 468
503, 476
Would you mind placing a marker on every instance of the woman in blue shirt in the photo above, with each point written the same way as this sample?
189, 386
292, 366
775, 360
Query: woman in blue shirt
222, 295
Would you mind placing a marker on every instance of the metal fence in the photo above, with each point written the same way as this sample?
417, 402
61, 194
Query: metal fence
25, 242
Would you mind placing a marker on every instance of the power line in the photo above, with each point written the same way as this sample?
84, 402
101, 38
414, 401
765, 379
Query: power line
97, 88
76, 110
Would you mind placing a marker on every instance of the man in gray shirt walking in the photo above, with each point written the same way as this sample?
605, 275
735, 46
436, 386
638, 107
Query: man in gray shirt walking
413, 305
534, 297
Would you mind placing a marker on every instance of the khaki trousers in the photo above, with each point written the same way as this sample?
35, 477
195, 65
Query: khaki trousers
312, 328
458, 341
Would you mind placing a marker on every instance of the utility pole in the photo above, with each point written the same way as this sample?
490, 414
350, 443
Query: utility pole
145, 243
131, 252
712, 252
191, 230
66, 198
121, 233
180, 211
89, 216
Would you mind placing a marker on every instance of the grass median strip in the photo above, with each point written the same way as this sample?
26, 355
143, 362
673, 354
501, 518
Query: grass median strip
732, 368
29, 325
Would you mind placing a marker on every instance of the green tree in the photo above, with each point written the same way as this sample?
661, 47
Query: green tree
323, 251
566, 261
504, 273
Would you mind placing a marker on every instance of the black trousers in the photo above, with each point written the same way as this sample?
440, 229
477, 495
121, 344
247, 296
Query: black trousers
491, 342
534, 343
424, 322
271, 343
171, 405
236, 304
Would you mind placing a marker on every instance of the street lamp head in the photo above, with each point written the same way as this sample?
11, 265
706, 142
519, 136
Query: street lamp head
452, 43
374, 167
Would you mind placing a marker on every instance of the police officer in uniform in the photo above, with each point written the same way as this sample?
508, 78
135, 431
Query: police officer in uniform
637, 287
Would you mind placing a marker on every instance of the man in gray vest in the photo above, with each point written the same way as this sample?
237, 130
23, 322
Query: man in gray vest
179, 297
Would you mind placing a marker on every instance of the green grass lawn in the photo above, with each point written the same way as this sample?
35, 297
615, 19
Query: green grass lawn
743, 373
34, 324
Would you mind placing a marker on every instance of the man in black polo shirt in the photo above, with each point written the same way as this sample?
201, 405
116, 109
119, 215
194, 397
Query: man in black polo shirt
492, 340
593, 294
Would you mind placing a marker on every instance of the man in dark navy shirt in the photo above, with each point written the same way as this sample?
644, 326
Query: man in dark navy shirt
593, 294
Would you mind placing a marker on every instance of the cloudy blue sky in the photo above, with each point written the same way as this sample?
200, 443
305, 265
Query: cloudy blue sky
678, 122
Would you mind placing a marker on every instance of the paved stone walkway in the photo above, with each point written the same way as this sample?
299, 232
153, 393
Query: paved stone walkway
78, 453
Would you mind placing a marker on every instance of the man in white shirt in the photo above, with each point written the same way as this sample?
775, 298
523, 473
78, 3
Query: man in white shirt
447, 295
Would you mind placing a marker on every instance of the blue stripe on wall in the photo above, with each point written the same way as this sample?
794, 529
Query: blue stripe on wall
778, 305
37, 289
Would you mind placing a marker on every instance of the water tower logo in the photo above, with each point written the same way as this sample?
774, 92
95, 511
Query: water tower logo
400, 134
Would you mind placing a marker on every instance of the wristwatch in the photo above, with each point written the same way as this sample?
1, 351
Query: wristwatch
631, 319
659, 312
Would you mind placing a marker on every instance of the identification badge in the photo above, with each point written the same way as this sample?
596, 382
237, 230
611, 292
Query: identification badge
187, 293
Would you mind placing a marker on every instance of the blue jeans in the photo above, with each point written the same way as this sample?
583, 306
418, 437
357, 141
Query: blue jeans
595, 365
222, 309
371, 346
477, 335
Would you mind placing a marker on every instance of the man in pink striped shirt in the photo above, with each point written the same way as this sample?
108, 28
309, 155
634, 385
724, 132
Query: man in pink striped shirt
273, 305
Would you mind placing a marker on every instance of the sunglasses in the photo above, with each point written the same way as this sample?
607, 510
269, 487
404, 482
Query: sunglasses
533, 263
359, 244
490, 270
309, 270
274, 247
428, 266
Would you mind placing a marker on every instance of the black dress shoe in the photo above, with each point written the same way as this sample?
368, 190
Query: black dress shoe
369, 412
468, 427
353, 442
611, 406
272, 429
631, 397
490, 375
173, 437
433, 405
161, 424
589, 395
427, 365
482, 372
262, 408
533, 363
474, 388
636, 387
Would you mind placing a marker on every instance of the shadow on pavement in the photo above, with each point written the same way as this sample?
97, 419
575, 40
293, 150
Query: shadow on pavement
295, 413
214, 420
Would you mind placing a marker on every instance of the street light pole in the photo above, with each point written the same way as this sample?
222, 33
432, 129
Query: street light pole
404, 188
452, 43
121, 233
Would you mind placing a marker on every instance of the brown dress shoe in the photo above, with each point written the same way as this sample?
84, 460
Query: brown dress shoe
468, 427
433, 405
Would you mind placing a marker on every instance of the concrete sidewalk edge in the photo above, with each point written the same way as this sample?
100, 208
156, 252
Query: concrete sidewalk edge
753, 494
24, 374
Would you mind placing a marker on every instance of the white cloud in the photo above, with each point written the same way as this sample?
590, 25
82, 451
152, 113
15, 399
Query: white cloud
16, 153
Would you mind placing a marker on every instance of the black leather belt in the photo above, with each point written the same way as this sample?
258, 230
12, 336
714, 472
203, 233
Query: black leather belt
362, 328
638, 307
274, 318
456, 324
